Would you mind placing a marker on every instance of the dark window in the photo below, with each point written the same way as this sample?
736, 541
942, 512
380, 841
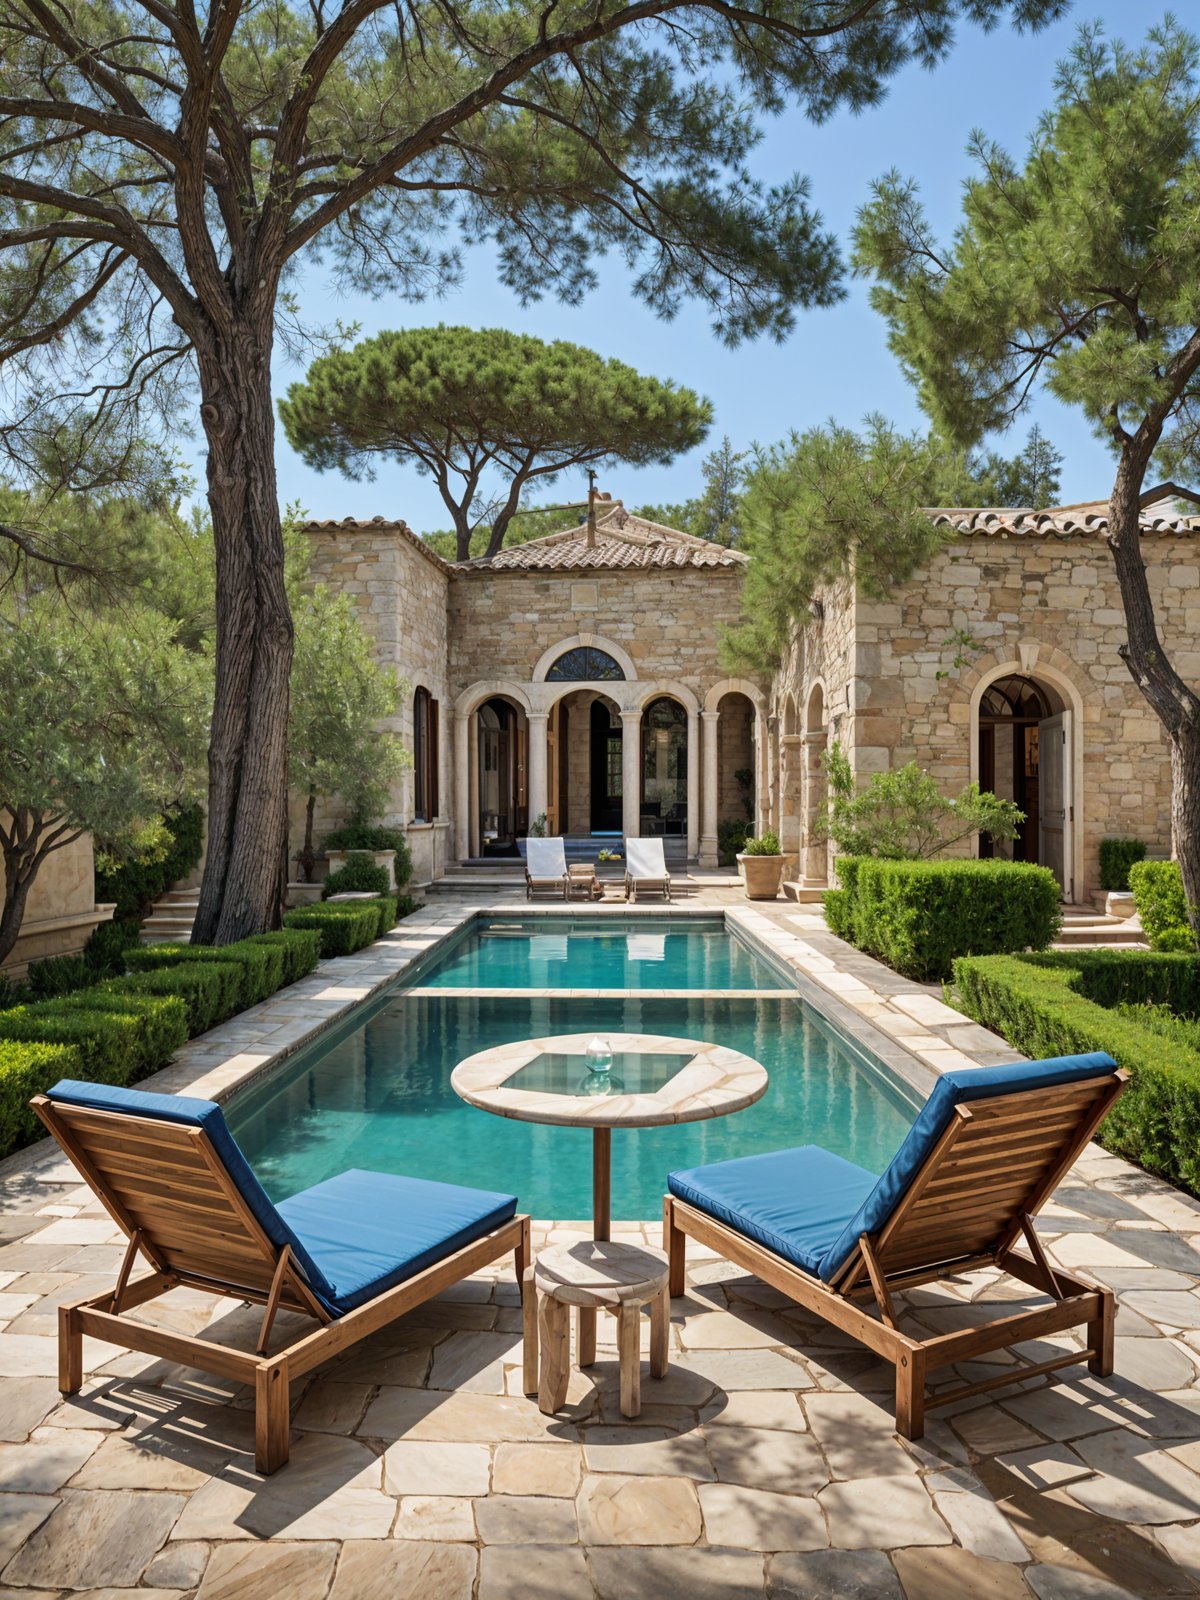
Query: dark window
425, 756
585, 664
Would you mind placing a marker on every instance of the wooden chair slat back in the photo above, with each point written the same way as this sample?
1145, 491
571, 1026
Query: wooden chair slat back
165, 1180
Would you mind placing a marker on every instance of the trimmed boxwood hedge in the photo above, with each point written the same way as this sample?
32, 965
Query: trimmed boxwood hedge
204, 987
917, 916
261, 965
120, 1039
301, 949
1162, 905
1066, 1002
344, 925
28, 1068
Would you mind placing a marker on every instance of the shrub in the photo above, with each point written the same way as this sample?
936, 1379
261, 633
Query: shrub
261, 966
115, 1043
103, 956
1161, 904
406, 904
58, 975
105, 950
764, 844
27, 1069
1048, 1005
358, 836
917, 916
731, 836
301, 949
1116, 858
360, 874
134, 885
204, 987
344, 926
387, 905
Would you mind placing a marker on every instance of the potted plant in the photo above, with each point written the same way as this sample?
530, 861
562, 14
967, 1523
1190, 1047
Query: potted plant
538, 829
762, 863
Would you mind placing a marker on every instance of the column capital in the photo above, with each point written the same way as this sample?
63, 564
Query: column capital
711, 716
632, 716
537, 716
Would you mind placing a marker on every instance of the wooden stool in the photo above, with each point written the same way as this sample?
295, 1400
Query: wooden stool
594, 1274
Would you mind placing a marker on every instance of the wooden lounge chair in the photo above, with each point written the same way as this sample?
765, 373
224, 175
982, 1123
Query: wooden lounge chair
646, 868
353, 1253
986, 1152
545, 867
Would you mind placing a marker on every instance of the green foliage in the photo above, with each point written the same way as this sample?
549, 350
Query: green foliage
204, 987
406, 904
387, 906
762, 844
344, 926
732, 833
464, 405
260, 965
361, 836
918, 916
902, 815
105, 950
301, 949
716, 513
26, 1069
134, 884
1067, 1002
538, 827
358, 875
115, 1044
1116, 858
58, 975
1161, 905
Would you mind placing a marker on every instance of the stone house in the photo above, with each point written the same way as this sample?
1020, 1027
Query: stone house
61, 911
577, 677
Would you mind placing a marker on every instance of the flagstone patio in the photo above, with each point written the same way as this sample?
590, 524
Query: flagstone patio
765, 1463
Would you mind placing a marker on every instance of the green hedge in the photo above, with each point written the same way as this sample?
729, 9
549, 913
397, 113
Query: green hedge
27, 1069
120, 1039
164, 1020
1162, 905
1050, 1005
301, 949
1116, 858
136, 884
261, 965
206, 988
917, 916
344, 925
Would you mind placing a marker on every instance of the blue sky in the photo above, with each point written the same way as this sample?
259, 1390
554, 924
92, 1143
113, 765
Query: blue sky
836, 362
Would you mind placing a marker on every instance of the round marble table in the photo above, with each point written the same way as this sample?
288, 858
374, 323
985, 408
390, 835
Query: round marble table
654, 1081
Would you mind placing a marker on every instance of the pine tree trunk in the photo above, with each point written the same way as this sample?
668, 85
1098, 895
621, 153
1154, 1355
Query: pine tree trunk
1173, 702
245, 872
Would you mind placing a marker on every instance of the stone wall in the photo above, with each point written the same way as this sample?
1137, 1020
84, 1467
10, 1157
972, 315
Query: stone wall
61, 910
735, 753
400, 589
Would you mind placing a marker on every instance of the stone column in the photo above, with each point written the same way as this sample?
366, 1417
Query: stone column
462, 784
631, 774
791, 777
708, 827
816, 851
535, 778
693, 786
475, 843
768, 809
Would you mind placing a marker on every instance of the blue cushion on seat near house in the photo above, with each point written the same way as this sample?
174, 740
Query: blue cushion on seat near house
368, 1231
352, 1236
793, 1202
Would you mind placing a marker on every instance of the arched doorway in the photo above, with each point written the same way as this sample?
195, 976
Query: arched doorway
816, 788
500, 767
737, 759
664, 768
1025, 754
586, 749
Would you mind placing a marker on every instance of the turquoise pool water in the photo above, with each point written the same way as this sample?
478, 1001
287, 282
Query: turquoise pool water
602, 953
377, 1094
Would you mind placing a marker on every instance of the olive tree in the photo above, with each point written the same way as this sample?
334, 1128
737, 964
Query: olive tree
168, 169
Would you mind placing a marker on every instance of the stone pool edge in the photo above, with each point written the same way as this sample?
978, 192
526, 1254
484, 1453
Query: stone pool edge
912, 1032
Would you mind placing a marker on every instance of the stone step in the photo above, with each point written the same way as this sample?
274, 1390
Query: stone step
1100, 936
805, 893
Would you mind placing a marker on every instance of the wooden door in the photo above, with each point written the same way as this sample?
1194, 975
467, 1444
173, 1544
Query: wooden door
1055, 793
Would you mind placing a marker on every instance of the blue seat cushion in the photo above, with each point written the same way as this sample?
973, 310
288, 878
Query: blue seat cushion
354, 1235
793, 1202
952, 1089
368, 1231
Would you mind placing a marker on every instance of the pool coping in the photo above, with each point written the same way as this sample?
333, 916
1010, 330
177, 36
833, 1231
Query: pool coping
901, 1023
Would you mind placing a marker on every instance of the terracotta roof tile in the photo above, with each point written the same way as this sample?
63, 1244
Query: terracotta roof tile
1089, 520
622, 541
379, 525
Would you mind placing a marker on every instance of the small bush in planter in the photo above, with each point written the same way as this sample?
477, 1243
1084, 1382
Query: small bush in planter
763, 844
360, 875
1162, 905
1116, 858
359, 836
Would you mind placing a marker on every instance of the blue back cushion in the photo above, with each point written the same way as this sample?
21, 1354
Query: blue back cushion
204, 1114
952, 1089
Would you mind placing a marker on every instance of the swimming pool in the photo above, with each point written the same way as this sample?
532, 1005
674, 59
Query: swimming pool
376, 1091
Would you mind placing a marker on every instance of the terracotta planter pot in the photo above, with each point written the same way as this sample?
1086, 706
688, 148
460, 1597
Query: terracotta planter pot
763, 875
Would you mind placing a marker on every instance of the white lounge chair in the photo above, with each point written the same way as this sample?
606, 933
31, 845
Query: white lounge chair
645, 868
545, 867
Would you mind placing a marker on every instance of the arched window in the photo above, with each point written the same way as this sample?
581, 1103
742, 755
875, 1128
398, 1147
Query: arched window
425, 756
585, 664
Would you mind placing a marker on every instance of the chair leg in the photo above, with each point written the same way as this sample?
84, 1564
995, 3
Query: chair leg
529, 1314
70, 1350
910, 1393
629, 1355
660, 1326
523, 1254
272, 1417
675, 1245
554, 1337
1101, 1336
585, 1336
